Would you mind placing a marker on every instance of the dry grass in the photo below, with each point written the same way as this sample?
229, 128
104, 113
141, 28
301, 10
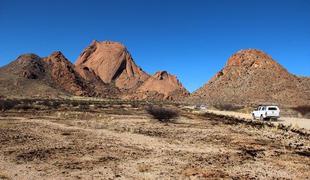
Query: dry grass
4, 176
144, 167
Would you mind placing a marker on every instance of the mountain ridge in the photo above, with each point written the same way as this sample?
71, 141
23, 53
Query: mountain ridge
103, 69
107, 69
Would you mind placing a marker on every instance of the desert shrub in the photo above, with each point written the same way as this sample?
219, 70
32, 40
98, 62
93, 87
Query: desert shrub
72, 103
7, 104
303, 110
134, 104
228, 107
52, 104
23, 107
83, 107
162, 114
55, 104
44, 102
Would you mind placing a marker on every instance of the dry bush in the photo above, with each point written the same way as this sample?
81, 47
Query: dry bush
52, 104
228, 107
162, 114
7, 104
135, 104
303, 110
83, 107
3, 176
144, 167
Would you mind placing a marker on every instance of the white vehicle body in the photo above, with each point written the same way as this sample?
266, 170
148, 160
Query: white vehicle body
203, 107
266, 112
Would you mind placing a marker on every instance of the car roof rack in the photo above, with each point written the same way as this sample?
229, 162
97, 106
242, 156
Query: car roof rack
268, 104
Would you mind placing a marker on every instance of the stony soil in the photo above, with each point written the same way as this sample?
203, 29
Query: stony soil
125, 143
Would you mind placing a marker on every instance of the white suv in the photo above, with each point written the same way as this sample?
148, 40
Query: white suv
266, 112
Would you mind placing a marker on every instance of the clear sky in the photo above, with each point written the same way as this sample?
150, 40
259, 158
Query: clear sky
189, 38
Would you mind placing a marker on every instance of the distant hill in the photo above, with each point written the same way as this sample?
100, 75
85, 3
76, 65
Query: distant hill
32, 76
252, 77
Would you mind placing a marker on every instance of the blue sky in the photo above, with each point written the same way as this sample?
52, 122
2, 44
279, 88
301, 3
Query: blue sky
189, 38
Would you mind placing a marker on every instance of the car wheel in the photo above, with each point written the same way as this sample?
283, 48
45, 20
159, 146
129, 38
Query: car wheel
261, 118
253, 117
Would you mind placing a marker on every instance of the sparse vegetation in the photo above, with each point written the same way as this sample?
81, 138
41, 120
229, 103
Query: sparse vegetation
161, 114
105, 135
228, 107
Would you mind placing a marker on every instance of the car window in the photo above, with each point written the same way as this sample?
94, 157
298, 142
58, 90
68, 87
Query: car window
272, 108
263, 109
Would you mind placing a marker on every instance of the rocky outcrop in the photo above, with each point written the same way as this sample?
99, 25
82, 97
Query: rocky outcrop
251, 77
63, 75
112, 63
166, 84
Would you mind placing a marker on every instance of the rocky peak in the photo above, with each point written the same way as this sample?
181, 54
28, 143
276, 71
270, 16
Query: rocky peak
100, 50
58, 59
250, 58
57, 55
161, 75
112, 63
252, 76
164, 83
25, 58
247, 62
29, 66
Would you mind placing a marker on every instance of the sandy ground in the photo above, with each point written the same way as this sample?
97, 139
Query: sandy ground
294, 122
130, 145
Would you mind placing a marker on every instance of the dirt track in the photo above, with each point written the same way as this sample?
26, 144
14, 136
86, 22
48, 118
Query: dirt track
129, 145
287, 121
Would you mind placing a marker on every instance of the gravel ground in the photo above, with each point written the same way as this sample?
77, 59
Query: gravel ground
130, 145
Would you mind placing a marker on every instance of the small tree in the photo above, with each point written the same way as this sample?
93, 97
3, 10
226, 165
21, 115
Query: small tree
162, 114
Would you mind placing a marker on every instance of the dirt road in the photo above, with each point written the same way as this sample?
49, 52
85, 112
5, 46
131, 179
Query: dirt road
294, 122
130, 145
